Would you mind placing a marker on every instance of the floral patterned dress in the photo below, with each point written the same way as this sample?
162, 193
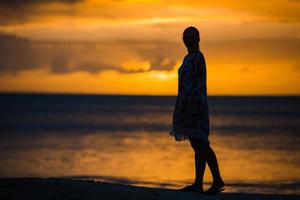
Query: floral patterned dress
191, 115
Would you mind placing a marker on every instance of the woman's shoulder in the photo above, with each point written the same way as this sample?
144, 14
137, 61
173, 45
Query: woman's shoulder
197, 58
199, 55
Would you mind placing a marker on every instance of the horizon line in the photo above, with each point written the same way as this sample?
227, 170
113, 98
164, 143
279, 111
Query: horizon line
122, 94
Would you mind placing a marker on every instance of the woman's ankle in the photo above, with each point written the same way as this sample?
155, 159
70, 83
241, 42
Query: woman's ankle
218, 182
198, 186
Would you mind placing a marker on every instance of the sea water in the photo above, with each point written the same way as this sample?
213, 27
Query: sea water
125, 139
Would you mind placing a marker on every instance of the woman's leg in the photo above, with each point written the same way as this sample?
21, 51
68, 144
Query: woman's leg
214, 167
201, 153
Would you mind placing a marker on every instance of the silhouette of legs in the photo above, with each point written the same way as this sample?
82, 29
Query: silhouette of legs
204, 153
201, 155
214, 167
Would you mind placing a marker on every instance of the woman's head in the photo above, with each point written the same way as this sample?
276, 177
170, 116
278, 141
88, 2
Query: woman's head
191, 37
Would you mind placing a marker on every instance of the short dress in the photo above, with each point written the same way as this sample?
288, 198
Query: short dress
191, 114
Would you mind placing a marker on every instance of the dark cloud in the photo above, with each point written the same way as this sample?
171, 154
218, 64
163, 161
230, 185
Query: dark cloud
17, 54
23, 3
22, 11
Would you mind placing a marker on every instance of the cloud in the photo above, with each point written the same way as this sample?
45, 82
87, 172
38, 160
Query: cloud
18, 54
23, 11
27, 11
23, 3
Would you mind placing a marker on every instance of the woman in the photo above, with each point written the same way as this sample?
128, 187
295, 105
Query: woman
191, 115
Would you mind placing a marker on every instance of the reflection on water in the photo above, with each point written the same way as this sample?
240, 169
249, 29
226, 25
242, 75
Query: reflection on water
142, 158
258, 149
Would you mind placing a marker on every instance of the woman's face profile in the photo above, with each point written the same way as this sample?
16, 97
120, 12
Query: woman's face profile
190, 37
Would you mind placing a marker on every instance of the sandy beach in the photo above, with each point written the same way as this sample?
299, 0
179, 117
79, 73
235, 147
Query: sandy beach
61, 188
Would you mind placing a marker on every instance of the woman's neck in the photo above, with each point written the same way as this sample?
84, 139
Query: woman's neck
190, 51
193, 49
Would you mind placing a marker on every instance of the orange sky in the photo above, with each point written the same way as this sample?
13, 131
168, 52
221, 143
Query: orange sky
134, 46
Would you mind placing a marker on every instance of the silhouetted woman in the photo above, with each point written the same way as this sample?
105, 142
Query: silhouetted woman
191, 115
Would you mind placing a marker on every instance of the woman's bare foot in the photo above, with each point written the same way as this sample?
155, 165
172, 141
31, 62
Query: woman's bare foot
216, 188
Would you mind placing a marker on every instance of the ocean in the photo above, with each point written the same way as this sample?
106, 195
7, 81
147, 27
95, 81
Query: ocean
125, 139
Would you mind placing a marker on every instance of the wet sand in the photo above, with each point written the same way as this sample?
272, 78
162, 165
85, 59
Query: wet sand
61, 188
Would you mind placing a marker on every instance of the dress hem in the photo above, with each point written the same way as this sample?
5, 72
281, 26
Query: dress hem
189, 132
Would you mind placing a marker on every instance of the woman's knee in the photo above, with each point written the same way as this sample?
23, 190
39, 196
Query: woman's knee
199, 145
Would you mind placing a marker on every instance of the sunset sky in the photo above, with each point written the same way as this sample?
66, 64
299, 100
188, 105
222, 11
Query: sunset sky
135, 47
